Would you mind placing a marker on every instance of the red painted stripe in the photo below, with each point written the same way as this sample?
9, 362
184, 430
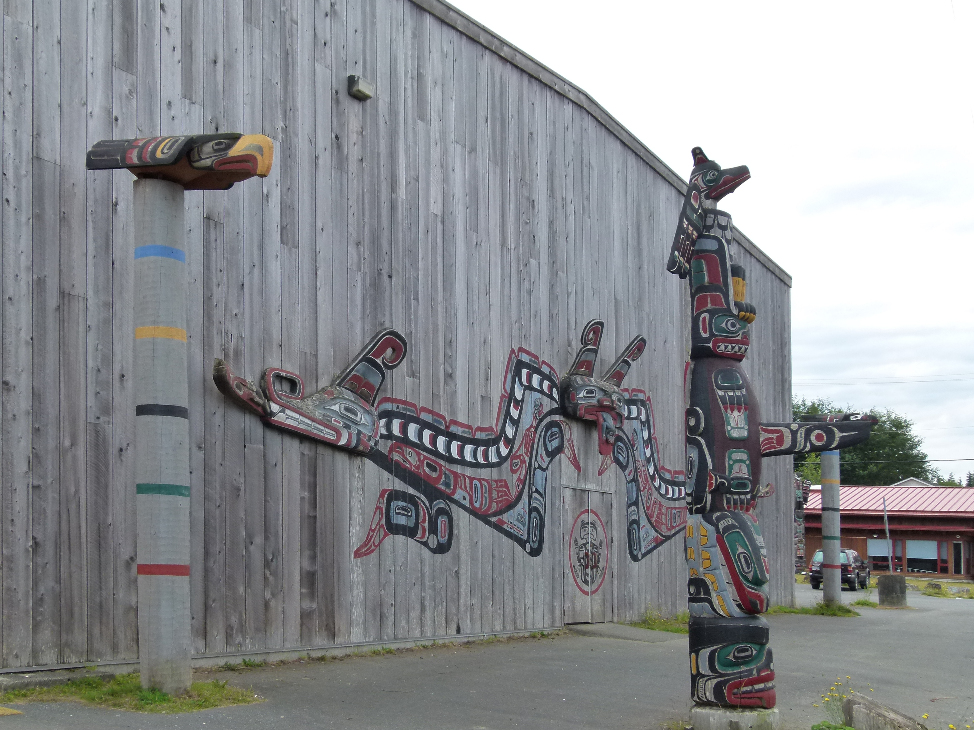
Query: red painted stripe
833, 567
163, 569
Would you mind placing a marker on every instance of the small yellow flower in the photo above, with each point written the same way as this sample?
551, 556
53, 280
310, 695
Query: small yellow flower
952, 727
826, 699
871, 689
848, 677
814, 705
924, 716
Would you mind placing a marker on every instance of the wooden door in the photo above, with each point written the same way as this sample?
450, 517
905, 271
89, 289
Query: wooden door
588, 569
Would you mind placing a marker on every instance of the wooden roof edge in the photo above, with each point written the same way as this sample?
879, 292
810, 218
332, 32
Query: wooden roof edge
474, 30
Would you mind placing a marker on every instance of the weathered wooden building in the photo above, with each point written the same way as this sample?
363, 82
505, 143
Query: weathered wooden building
479, 203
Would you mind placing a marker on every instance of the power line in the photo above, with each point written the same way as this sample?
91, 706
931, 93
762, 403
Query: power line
879, 382
903, 377
906, 461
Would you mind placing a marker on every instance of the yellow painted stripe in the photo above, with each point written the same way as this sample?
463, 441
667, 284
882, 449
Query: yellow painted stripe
160, 333
830, 481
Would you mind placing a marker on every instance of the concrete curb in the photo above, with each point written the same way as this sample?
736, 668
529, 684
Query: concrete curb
33, 680
624, 632
862, 713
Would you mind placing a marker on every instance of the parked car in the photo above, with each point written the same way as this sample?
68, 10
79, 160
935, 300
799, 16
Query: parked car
855, 571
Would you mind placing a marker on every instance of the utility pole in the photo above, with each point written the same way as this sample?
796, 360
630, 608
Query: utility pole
831, 528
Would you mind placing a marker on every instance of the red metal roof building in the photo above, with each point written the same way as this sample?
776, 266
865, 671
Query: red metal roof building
931, 528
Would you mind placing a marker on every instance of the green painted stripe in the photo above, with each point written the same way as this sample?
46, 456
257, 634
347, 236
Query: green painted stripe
831, 537
170, 490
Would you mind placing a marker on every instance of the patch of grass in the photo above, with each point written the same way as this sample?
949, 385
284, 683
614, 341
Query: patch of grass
654, 620
865, 602
819, 609
125, 692
252, 663
830, 726
379, 650
675, 725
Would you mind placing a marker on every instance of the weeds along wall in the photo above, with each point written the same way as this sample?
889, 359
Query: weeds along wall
479, 204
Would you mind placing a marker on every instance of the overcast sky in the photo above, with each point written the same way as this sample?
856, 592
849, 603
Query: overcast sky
857, 122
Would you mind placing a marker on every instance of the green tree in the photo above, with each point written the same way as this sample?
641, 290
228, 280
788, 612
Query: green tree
969, 481
810, 468
892, 453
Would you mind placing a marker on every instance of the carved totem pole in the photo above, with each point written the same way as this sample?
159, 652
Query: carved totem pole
164, 167
730, 660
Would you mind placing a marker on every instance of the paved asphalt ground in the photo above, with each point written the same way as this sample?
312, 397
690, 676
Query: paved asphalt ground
919, 660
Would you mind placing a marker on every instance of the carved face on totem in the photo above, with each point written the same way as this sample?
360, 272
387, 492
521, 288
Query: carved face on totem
585, 397
731, 662
720, 318
728, 564
337, 415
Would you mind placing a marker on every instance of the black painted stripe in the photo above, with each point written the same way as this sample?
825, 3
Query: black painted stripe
161, 409
830, 509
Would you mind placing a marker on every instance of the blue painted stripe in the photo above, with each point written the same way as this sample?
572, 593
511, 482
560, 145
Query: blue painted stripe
166, 252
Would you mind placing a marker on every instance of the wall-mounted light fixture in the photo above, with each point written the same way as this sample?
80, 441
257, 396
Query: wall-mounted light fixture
360, 88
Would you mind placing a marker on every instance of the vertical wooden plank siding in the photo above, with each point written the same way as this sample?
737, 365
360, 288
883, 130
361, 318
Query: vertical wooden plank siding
16, 368
89, 87
476, 204
125, 603
45, 395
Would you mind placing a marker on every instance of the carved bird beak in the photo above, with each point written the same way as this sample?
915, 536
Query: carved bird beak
730, 179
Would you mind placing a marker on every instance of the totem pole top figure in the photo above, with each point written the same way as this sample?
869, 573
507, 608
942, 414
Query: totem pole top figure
195, 161
708, 184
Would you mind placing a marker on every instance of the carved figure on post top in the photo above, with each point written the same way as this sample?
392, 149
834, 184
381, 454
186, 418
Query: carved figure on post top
730, 659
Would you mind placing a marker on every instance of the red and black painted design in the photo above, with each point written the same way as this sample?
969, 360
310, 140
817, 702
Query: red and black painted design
588, 552
655, 497
444, 464
341, 414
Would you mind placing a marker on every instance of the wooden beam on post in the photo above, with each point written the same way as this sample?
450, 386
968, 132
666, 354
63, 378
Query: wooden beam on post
164, 167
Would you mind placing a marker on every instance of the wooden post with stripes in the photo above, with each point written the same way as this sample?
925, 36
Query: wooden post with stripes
162, 436
831, 528
164, 168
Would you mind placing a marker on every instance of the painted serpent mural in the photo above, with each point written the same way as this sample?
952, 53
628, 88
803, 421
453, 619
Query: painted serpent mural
443, 464
730, 660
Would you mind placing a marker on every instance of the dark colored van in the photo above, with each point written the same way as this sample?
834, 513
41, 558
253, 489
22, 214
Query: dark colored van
855, 572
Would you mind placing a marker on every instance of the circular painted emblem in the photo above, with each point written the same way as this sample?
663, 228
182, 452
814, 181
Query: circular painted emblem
587, 553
